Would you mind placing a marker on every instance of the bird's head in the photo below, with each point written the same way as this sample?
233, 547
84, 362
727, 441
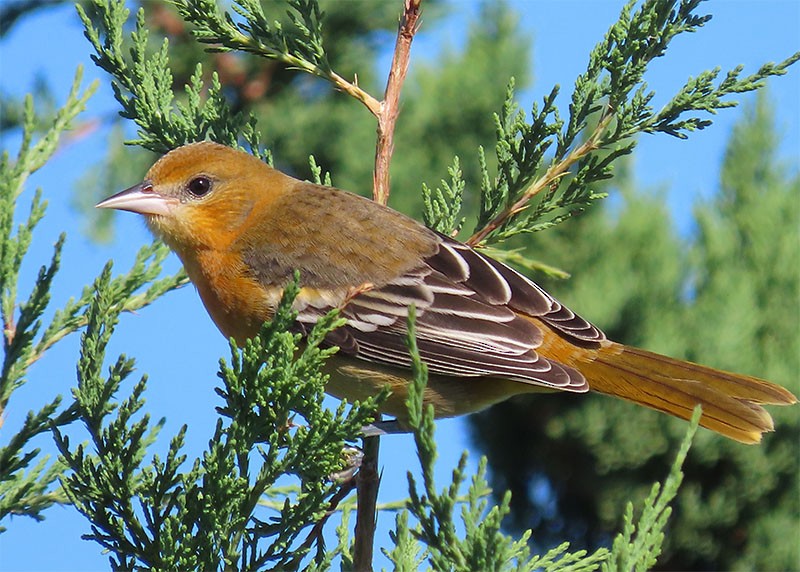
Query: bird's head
199, 195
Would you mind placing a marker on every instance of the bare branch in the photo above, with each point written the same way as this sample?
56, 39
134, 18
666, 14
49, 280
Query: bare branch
390, 106
367, 481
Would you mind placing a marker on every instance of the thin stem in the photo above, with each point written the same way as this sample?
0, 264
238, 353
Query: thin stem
316, 532
352, 89
131, 304
390, 106
368, 478
367, 482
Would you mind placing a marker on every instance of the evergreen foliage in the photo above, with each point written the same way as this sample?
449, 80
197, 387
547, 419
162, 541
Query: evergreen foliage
209, 512
610, 104
205, 514
27, 488
727, 297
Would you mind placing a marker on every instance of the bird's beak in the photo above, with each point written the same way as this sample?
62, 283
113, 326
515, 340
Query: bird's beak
142, 199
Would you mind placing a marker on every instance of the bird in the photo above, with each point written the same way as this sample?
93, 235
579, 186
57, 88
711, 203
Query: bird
485, 331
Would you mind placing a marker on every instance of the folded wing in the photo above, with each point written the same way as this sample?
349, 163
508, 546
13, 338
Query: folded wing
470, 321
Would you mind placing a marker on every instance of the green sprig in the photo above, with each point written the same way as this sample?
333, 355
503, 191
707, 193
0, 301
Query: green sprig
482, 545
208, 515
638, 545
26, 490
143, 87
611, 104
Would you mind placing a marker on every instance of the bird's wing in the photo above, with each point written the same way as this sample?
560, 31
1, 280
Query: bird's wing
470, 321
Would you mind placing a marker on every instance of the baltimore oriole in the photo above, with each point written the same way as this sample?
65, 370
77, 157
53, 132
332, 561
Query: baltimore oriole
485, 331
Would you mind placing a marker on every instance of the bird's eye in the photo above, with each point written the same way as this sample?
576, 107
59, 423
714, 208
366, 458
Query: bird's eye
199, 186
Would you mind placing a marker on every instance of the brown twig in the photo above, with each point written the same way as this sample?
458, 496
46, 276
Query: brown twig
367, 479
316, 532
367, 482
553, 174
390, 106
352, 89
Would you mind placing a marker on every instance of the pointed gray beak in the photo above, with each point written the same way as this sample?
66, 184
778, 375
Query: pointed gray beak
142, 199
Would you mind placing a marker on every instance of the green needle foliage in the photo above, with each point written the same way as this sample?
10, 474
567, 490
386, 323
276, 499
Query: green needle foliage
298, 44
480, 544
231, 507
26, 477
27, 489
144, 87
443, 204
610, 104
638, 545
205, 515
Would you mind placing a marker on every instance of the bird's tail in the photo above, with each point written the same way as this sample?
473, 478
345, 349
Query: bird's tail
731, 403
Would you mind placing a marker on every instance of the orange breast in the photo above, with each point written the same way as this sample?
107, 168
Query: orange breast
237, 303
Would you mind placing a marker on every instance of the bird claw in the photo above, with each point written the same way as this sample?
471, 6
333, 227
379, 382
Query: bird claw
380, 428
352, 457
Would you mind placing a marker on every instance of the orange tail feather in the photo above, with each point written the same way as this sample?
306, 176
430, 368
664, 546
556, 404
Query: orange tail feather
731, 403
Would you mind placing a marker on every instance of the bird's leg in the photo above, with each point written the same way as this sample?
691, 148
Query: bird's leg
388, 427
352, 456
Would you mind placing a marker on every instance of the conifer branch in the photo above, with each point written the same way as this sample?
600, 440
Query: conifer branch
298, 45
25, 487
638, 545
549, 180
610, 105
205, 514
143, 84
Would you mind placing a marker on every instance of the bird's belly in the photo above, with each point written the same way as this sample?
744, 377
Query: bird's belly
354, 379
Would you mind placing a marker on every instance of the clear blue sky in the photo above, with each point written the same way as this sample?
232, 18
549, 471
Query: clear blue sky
175, 342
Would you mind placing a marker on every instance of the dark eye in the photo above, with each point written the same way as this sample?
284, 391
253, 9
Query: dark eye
199, 186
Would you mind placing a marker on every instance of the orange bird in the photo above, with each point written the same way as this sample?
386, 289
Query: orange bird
486, 332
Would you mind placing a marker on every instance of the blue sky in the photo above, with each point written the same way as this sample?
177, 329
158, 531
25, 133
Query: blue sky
745, 31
